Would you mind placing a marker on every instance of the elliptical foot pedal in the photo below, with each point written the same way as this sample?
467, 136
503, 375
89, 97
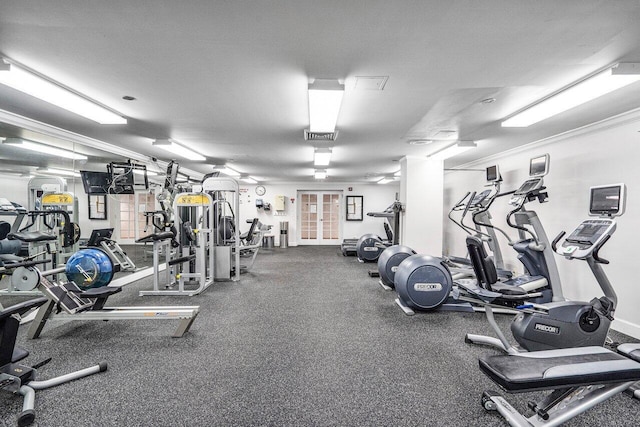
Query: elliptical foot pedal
385, 287
407, 310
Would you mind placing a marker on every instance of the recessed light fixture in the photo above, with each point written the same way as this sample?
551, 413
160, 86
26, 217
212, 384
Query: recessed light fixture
248, 179
43, 148
228, 171
56, 171
419, 141
129, 98
488, 101
32, 83
452, 150
587, 89
178, 149
320, 174
325, 98
322, 156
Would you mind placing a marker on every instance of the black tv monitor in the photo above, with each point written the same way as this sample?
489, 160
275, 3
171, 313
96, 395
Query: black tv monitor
122, 181
607, 200
95, 183
493, 173
539, 166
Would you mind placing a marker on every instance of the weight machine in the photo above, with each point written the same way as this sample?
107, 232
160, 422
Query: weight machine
225, 194
194, 266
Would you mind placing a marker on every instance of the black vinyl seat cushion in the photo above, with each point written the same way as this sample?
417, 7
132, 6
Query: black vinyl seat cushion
631, 350
562, 368
163, 235
31, 236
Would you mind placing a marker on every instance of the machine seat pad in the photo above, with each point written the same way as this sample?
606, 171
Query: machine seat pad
163, 235
182, 259
562, 368
101, 292
631, 350
31, 236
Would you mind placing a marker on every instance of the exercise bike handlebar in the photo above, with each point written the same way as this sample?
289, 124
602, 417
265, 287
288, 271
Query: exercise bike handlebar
599, 246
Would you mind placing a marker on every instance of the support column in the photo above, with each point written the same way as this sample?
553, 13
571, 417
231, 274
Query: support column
421, 193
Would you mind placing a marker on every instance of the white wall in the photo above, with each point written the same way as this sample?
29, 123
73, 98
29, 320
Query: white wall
605, 153
376, 198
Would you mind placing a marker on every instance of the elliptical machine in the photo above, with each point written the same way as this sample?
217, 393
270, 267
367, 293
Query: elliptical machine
426, 283
391, 257
559, 324
370, 246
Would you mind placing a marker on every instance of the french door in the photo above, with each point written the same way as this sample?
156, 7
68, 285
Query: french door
131, 217
319, 218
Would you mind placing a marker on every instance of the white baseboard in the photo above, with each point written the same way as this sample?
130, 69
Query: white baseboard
626, 328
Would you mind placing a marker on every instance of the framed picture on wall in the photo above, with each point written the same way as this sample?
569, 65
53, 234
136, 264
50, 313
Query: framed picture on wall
354, 208
98, 207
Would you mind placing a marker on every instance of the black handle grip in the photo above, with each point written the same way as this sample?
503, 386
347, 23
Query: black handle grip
556, 240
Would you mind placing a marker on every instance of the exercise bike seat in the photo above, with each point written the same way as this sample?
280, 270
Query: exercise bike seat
31, 236
162, 235
561, 368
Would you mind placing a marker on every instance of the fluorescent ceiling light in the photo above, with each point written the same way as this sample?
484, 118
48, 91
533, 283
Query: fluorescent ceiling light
229, 172
31, 83
386, 180
325, 97
179, 150
590, 88
398, 173
453, 150
322, 156
43, 148
248, 180
320, 174
56, 171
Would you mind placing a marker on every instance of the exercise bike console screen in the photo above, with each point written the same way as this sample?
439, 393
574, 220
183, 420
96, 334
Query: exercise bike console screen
493, 173
607, 200
539, 166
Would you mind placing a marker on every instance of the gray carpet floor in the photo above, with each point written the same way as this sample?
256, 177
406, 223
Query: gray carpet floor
306, 338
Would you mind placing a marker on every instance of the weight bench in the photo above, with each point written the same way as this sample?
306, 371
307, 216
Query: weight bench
579, 377
68, 302
20, 379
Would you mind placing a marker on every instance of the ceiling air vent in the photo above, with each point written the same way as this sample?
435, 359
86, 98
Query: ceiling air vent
320, 136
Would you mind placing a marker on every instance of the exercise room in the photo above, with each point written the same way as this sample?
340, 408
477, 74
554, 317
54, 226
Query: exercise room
297, 213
